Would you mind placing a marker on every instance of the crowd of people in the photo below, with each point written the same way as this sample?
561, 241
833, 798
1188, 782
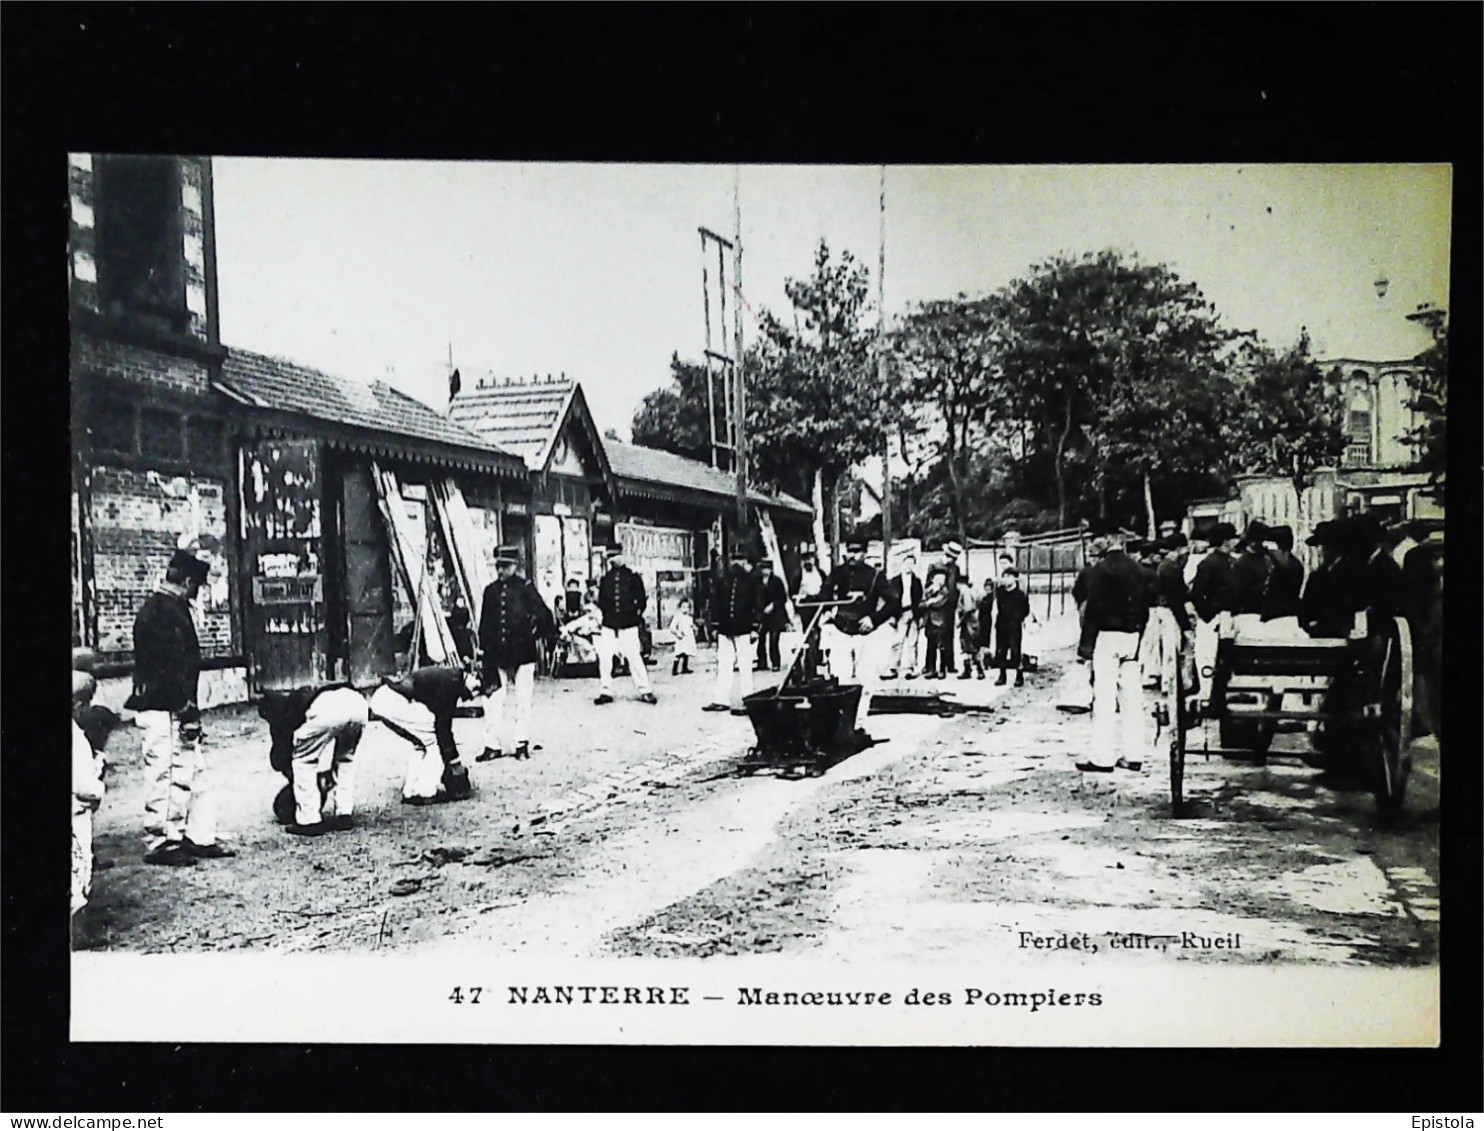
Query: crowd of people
1136, 599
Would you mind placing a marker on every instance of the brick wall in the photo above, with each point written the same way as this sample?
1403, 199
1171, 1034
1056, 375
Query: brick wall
144, 367
135, 519
83, 263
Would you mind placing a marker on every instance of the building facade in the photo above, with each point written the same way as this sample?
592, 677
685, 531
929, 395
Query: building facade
152, 466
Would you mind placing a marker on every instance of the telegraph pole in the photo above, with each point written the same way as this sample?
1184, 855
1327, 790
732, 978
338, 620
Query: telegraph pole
740, 396
881, 383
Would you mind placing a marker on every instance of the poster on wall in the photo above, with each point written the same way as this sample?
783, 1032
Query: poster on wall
576, 549
548, 571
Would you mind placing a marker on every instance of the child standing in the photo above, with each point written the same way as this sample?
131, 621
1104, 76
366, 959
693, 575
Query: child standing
683, 628
937, 605
968, 630
87, 793
1012, 610
984, 640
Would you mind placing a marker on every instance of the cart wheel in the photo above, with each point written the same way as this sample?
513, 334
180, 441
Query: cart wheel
1390, 712
1179, 720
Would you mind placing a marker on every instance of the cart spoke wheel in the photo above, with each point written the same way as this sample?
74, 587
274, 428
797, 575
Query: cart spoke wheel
1391, 703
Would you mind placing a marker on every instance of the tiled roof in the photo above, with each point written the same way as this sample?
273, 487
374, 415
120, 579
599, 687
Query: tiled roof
273, 383
650, 465
520, 417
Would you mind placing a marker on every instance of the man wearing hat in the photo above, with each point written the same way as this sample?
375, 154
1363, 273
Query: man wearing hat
622, 600
857, 636
772, 613
1214, 597
1114, 618
512, 619
1250, 569
420, 707
734, 612
1280, 601
179, 821
953, 572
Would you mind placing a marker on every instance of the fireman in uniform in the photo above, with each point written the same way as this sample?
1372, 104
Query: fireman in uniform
179, 818
1214, 596
512, 620
622, 600
1114, 617
858, 636
314, 733
420, 707
734, 612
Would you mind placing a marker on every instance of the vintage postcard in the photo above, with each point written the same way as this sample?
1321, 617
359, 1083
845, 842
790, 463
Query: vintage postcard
699, 604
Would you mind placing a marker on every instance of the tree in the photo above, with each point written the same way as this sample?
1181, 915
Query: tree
673, 418
1430, 399
1122, 359
815, 405
948, 350
1286, 416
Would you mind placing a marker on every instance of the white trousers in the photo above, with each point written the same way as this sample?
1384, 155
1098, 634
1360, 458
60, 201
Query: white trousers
858, 659
908, 645
732, 652
326, 743
178, 800
620, 642
415, 722
521, 684
82, 859
1161, 642
1117, 699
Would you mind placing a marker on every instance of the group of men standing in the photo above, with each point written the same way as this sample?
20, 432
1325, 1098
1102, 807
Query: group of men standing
1138, 599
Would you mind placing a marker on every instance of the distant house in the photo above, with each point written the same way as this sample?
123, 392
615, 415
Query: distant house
672, 515
1375, 473
547, 423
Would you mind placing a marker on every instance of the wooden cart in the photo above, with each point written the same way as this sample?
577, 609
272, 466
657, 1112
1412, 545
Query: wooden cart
1359, 691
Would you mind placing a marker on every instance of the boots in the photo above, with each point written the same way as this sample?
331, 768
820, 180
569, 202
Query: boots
1019, 678
522, 750
456, 782
675, 668
1001, 681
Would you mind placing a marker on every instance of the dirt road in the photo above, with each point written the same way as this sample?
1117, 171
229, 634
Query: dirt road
631, 833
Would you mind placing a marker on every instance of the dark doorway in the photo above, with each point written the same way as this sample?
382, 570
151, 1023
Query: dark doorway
368, 579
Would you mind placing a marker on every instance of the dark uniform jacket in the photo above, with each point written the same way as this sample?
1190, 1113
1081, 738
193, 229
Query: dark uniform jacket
1249, 582
1117, 597
1171, 591
1334, 594
937, 609
167, 655
622, 599
734, 603
772, 591
866, 588
285, 712
437, 688
512, 618
1285, 583
1012, 607
1213, 591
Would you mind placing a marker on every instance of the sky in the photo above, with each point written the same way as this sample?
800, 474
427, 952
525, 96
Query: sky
376, 269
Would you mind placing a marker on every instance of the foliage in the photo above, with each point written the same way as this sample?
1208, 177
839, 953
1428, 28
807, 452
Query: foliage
1286, 416
1120, 359
814, 402
1430, 399
673, 418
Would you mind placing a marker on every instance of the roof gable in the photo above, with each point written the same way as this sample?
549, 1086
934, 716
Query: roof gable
531, 418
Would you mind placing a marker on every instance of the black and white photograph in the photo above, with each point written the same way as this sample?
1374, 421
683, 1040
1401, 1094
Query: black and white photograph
716, 585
